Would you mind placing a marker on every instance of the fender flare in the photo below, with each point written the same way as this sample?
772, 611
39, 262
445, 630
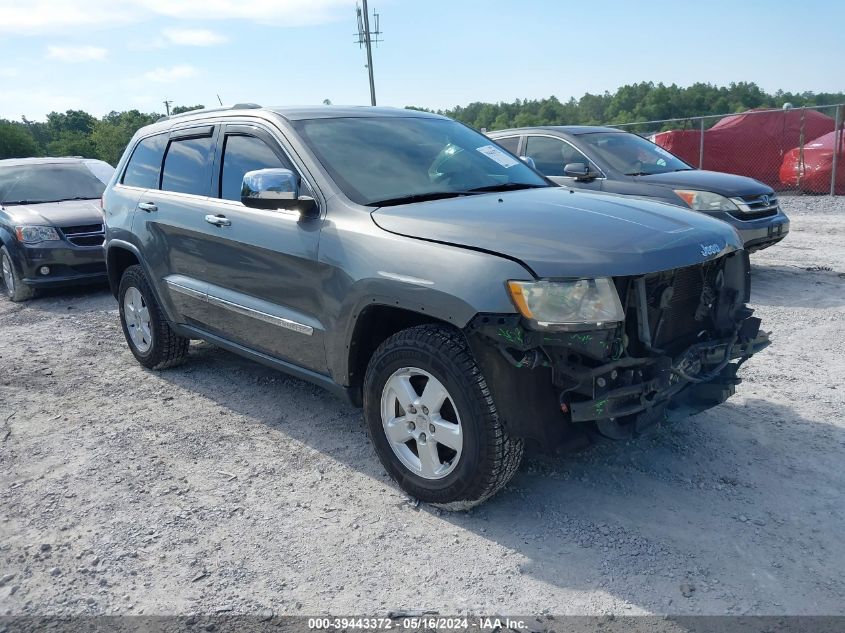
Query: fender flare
115, 244
385, 293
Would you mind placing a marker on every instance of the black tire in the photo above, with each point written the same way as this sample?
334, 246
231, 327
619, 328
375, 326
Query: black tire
167, 349
19, 290
489, 458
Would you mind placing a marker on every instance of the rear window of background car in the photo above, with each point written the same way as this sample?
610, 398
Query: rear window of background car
145, 163
240, 155
187, 166
510, 143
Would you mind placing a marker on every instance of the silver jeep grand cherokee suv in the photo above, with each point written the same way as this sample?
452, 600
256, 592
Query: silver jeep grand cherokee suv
413, 266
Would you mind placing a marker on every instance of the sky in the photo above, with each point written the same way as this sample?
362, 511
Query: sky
103, 55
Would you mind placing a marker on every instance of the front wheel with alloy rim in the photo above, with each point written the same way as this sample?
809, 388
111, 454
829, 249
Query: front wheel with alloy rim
433, 421
151, 339
15, 289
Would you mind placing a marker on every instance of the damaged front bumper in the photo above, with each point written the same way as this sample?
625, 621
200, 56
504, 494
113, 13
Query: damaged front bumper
550, 385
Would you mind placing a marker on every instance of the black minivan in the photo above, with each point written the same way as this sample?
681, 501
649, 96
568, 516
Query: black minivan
612, 161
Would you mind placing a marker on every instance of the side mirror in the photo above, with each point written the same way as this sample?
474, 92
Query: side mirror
528, 161
276, 189
579, 171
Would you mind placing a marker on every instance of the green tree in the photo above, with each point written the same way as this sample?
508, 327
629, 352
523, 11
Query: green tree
72, 143
181, 109
16, 141
113, 132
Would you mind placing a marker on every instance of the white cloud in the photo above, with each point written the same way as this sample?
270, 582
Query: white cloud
47, 16
9, 73
283, 12
76, 53
193, 37
168, 75
59, 15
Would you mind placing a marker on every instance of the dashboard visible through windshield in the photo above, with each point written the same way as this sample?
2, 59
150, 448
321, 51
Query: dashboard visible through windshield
390, 160
631, 154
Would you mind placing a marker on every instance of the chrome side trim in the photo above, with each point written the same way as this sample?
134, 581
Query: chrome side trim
261, 316
190, 292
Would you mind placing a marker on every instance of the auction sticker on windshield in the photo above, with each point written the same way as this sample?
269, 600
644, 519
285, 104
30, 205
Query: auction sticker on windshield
491, 151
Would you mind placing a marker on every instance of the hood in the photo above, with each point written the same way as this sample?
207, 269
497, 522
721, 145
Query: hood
67, 213
728, 185
560, 233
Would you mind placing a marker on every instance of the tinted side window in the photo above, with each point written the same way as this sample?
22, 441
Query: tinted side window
240, 155
510, 143
551, 154
187, 166
145, 163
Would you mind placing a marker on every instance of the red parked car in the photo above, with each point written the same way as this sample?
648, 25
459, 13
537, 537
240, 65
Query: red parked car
749, 144
818, 165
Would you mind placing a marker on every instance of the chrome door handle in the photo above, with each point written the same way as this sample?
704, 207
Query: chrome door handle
149, 207
218, 220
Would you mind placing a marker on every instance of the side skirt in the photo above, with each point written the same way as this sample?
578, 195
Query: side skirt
321, 380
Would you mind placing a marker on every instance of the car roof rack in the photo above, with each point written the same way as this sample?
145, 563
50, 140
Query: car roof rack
237, 106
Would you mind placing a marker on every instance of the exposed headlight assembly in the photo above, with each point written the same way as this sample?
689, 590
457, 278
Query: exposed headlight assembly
36, 234
575, 304
705, 200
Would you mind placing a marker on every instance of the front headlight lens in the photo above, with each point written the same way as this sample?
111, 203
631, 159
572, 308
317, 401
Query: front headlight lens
570, 304
705, 200
36, 234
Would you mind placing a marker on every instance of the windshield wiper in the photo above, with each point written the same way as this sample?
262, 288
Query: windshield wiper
417, 197
640, 173
506, 186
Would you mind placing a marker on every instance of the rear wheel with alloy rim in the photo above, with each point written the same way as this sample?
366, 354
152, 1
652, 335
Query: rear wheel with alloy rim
433, 421
15, 289
151, 339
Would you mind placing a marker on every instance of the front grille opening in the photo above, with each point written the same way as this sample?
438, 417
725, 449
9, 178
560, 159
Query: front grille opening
85, 228
672, 303
87, 240
758, 207
84, 235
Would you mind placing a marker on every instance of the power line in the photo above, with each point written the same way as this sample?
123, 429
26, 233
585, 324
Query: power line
366, 37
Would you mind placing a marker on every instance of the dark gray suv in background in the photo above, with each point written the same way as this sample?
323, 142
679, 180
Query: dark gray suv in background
613, 161
51, 223
409, 264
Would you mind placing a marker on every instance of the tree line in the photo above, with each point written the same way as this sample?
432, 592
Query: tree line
77, 133
644, 101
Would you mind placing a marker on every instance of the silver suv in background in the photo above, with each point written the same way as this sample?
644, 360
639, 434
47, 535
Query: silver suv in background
410, 265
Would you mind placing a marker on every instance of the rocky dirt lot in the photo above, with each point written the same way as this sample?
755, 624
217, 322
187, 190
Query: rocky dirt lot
225, 487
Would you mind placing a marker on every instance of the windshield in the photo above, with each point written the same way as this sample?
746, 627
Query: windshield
632, 154
388, 159
50, 182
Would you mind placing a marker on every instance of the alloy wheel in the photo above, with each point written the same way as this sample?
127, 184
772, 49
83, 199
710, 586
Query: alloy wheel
136, 315
421, 423
8, 275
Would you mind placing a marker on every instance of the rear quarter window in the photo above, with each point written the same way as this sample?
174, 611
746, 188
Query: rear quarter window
187, 166
145, 163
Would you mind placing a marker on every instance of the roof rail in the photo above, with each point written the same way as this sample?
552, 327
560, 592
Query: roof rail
237, 106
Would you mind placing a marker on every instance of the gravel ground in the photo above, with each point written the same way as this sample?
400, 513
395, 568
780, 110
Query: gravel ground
223, 486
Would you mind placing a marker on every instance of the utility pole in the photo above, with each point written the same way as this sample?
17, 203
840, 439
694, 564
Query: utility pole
167, 106
365, 37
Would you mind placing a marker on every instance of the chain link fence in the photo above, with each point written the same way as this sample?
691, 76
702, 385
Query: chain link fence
799, 150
